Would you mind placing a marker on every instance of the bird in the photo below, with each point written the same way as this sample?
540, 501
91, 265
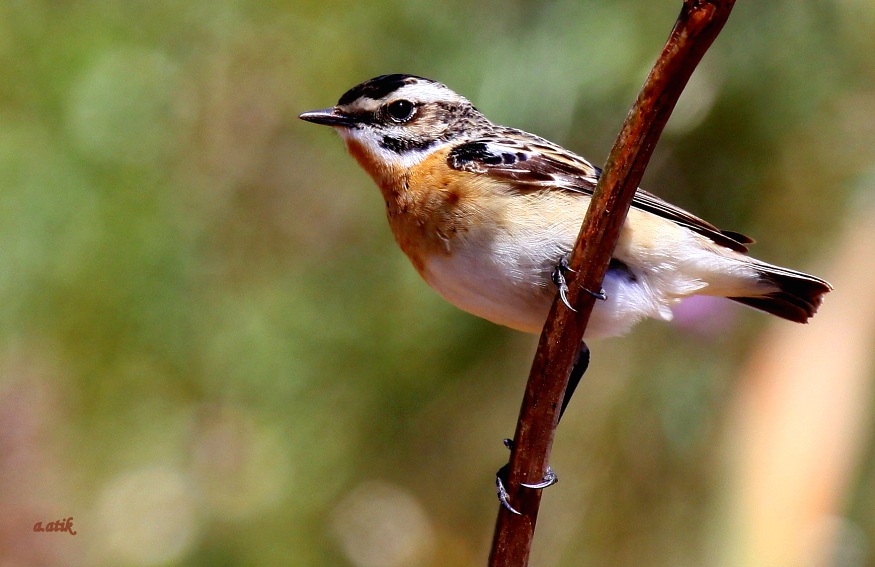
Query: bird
487, 215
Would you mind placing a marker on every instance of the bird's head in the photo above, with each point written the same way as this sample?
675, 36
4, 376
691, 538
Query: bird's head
399, 119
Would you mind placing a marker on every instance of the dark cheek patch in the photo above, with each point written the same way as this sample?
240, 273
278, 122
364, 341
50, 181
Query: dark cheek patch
401, 145
419, 134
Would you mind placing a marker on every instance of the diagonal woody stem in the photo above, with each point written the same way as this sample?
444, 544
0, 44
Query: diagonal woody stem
698, 24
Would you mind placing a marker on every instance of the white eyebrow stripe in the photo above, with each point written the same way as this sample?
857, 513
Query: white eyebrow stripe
364, 104
427, 93
418, 93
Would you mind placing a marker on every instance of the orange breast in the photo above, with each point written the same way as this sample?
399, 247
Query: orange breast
429, 205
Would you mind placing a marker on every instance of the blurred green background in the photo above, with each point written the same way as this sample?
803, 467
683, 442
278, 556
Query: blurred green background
213, 353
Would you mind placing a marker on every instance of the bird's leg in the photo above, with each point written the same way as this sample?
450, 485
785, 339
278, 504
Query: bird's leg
559, 281
577, 372
550, 478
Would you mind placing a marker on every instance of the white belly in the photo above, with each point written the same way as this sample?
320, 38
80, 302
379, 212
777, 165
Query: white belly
512, 286
511, 291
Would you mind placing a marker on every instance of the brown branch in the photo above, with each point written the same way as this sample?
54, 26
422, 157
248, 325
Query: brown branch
696, 28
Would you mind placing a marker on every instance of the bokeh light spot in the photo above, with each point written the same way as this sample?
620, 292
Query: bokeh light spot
147, 516
382, 525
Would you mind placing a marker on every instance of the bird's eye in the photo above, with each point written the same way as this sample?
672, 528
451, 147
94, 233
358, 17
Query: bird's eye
400, 110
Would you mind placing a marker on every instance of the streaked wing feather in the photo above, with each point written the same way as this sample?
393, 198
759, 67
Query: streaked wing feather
536, 163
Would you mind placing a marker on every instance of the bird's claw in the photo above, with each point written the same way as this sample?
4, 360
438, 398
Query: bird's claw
558, 277
559, 281
600, 294
503, 496
549, 479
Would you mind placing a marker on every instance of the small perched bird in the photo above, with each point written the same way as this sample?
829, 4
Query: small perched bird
488, 213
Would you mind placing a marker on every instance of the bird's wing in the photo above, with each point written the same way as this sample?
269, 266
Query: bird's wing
535, 163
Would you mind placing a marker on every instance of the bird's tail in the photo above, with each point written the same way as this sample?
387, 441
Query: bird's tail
789, 294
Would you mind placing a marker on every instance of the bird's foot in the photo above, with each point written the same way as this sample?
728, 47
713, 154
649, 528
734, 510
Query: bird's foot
549, 479
560, 282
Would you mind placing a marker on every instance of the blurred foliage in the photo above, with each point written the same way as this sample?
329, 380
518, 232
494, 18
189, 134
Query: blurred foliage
214, 354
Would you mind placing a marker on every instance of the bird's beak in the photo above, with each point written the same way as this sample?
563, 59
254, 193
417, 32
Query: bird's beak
328, 117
